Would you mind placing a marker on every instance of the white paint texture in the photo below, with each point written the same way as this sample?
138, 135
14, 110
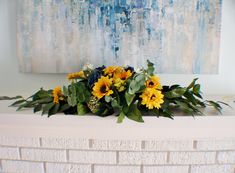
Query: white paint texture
13, 82
62, 36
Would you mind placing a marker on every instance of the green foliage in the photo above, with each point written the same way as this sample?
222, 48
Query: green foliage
78, 97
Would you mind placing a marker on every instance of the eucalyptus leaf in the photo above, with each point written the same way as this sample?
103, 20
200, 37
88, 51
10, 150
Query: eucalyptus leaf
129, 98
121, 117
82, 109
178, 92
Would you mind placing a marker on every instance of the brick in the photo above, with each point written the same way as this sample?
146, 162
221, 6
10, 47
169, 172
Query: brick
212, 169
65, 143
102, 157
22, 166
216, 145
116, 145
166, 169
192, 157
9, 153
130, 158
226, 157
168, 145
43, 155
19, 141
117, 169
67, 168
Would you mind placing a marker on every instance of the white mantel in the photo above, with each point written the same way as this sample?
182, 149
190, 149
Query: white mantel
89, 144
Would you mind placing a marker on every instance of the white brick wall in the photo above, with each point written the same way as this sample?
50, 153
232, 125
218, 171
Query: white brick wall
146, 158
9, 153
169, 145
65, 143
74, 155
226, 157
43, 155
19, 141
116, 145
216, 145
102, 157
67, 168
117, 169
192, 157
213, 169
166, 169
22, 166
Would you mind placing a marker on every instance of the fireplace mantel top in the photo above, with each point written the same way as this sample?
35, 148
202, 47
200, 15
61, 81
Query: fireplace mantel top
25, 123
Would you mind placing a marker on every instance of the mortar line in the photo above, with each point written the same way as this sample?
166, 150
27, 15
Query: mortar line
44, 167
189, 169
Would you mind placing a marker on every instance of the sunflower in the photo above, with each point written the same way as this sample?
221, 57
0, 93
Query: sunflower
152, 98
76, 75
154, 82
57, 94
102, 87
123, 75
111, 70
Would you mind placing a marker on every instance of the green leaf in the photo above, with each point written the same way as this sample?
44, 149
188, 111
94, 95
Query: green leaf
191, 85
178, 92
65, 91
53, 110
134, 113
196, 89
47, 107
108, 99
41, 94
37, 108
82, 109
83, 95
215, 105
121, 117
17, 102
137, 84
183, 106
129, 98
10, 98
64, 107
150, 69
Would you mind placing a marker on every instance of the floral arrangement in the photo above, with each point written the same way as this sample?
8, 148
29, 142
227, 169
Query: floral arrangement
117, 90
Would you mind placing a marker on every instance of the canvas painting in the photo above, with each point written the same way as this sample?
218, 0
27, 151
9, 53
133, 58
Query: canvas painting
60, 36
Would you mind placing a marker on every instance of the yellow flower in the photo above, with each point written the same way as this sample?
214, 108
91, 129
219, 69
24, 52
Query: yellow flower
152, 98
57, 94
154, 82
102, 87
75, 75
112, 69
120, 79
123, 75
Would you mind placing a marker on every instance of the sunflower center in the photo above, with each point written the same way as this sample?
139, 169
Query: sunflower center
103, 89
152, 97
151, 83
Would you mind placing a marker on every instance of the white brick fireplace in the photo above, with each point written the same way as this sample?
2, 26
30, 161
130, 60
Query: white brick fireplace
70, 144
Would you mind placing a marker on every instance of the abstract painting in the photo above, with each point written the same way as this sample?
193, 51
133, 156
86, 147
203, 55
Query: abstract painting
60, 36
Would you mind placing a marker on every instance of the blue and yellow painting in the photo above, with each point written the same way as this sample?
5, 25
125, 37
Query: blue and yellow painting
60, 36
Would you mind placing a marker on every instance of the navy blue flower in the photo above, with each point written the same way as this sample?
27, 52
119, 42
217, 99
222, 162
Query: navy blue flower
130, 68
96, 74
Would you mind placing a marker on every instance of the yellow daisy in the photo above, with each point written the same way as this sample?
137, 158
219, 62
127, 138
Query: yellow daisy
102, 87
154, 82
76, 75
57, 94
152, 98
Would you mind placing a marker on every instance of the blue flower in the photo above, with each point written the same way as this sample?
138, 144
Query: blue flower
96, 74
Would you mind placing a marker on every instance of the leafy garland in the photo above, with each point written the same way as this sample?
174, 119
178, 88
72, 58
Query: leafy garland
104, 91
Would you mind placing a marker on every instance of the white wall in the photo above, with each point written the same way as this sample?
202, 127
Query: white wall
12, 82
